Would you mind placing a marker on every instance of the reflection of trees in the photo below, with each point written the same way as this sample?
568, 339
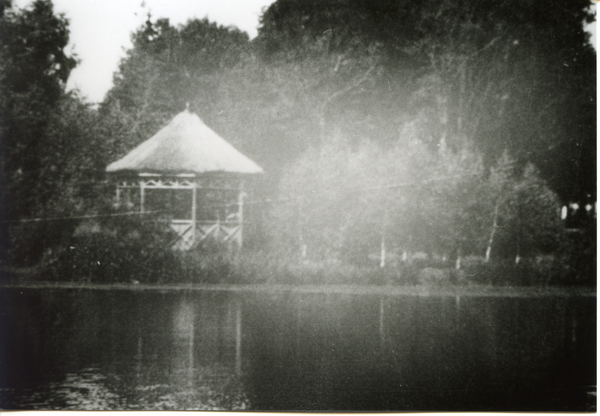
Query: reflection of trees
424, 352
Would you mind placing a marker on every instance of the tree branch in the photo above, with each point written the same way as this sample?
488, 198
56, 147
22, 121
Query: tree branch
339, 93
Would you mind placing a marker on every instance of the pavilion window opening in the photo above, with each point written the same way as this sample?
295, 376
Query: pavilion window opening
174, 203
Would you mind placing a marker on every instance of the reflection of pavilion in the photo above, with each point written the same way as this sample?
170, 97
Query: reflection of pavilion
189, 355
190, 173
207, 336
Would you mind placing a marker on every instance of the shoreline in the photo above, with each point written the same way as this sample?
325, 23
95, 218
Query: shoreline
389, 290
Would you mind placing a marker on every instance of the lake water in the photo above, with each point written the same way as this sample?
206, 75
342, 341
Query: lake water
118, 349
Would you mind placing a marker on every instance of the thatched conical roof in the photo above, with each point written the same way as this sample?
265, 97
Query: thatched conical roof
185, 145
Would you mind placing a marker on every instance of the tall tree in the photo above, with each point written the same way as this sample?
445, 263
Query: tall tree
495, 74
512, 76
52, 148
33, 71
352, 56
169, 67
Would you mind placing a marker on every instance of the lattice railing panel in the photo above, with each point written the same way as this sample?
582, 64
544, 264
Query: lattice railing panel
185, 232
220, 232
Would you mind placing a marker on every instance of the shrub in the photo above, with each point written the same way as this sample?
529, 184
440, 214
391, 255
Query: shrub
205, 266
29, 240
537, 271
579, 257
123, 250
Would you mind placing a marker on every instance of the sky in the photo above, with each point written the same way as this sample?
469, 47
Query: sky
100, 30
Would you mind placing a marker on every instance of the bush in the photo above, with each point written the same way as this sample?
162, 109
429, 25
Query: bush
122, 250
28, 241
205, 266
579, 256
537, 271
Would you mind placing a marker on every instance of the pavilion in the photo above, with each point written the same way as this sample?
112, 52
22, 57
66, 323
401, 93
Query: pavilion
191, 174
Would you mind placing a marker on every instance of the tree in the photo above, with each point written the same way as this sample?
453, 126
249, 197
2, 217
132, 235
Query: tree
343, 201
70, 182
346, 202
34, 70
318, 200
500, 185
491, 74
525, 218
169, 67
510, 76
532, 219
350, 60
457, 213
54, 147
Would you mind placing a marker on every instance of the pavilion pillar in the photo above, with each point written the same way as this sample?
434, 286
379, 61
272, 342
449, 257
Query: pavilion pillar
118, 196
238, 336
241, 214
194, 208
142, 197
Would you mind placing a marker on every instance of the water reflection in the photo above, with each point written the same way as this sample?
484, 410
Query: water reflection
95, 350
137, 351
205, 355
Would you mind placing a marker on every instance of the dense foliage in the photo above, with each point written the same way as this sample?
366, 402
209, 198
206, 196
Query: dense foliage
500, 75
344, 203
34, 148
168, 68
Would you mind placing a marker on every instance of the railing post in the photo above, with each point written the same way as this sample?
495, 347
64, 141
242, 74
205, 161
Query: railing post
142, 184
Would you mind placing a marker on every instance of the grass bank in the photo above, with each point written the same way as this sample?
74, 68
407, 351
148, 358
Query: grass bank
426, 291
87, 265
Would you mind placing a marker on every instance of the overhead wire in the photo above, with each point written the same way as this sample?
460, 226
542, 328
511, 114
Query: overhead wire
253, 202
80, 217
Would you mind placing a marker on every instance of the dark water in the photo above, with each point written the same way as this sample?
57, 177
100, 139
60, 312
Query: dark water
91, 349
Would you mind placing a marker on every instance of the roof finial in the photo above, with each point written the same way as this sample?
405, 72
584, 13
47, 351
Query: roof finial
187, 107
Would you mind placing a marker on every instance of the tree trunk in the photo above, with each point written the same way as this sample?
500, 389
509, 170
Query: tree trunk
383, 225
336, 94
488, 251
519, 234
382, 261
300, 235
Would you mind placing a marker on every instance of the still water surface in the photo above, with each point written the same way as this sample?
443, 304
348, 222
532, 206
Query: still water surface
92, 350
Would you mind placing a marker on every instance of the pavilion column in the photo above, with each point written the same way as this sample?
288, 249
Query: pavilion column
238, 336
241, 214
118, 196
194, 208
142, 196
